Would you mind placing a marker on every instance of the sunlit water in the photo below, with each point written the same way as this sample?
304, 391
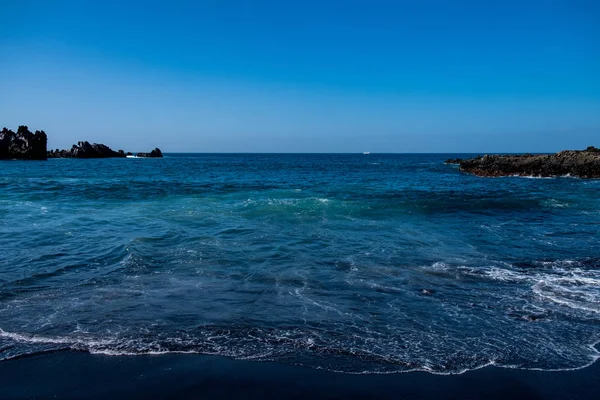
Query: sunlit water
355, 263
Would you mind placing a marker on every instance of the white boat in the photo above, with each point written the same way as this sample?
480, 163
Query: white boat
132, 156
366, 152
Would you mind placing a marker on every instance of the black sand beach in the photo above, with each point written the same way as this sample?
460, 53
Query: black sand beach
78, 375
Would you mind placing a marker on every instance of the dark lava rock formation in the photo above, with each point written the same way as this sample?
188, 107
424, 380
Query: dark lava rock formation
86, 150
156, 153
23, 145
581, 164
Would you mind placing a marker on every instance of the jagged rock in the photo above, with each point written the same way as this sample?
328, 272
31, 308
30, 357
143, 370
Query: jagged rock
86, 150
582, 164
156, 153
592, 149
23, 145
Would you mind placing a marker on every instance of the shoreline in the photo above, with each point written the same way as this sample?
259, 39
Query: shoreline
74, 374
577, 163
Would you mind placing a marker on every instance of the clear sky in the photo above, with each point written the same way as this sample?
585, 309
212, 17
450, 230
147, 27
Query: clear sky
304, 76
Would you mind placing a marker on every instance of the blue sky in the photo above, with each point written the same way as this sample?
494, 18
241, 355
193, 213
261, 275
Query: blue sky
304, 76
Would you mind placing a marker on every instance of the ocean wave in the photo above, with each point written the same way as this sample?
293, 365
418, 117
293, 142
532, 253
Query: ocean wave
289, 346
556, 203
570, 283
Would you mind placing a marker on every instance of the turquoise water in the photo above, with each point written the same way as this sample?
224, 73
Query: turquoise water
354, 263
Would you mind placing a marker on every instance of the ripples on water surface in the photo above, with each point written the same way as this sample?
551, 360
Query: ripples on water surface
354, 263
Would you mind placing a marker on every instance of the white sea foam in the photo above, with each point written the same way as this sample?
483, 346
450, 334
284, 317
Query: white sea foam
501, 274
545, 177
581, 293
300, 294
561, 282
33, 339
532, 176
296, 340
440, 266
556, 204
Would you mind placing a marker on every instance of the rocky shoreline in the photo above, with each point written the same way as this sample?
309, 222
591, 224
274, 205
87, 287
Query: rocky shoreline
575, 163
26, 145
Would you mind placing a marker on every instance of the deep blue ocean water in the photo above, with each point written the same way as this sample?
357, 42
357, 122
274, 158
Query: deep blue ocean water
354, 263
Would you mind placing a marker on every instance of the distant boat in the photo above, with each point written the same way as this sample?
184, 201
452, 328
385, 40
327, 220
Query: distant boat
366, 152
132, 156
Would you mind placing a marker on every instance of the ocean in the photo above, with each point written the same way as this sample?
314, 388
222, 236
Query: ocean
360, 264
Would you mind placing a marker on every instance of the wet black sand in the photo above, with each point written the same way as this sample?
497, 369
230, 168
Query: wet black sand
78, 375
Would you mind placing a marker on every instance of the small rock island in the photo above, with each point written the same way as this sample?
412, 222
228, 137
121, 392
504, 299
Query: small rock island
575, 163
26, 145
95, 150
86, 150
23, 144
156, 153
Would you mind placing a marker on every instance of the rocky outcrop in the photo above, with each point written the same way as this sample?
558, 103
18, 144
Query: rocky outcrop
156, 153
455, 160
87, 150
23, 144
582, 164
